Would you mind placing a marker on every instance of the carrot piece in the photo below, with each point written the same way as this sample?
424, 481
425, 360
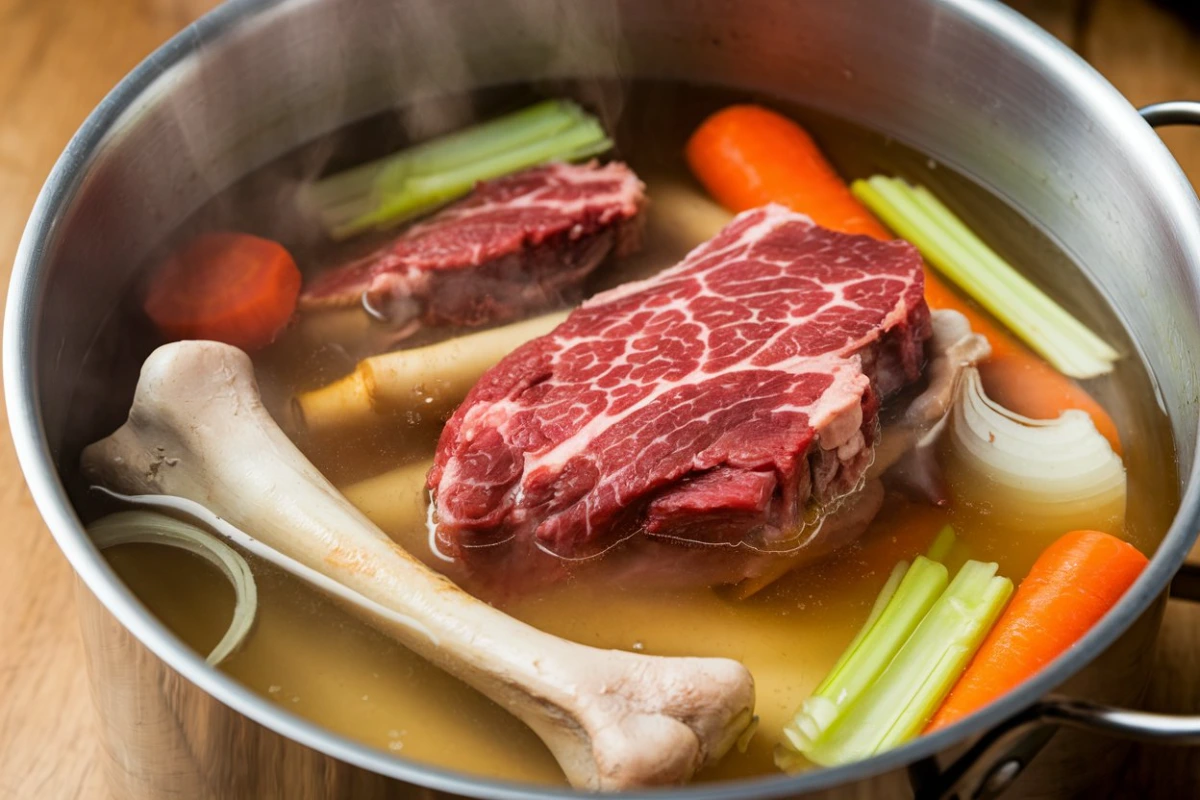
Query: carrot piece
1070, 587
229, 287
747, 156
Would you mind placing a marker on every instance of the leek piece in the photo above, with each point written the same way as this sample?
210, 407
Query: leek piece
148, 527
897, 706
901, 606
405, 184
948, 244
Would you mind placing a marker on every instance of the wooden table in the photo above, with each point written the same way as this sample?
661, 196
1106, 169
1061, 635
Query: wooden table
59, 57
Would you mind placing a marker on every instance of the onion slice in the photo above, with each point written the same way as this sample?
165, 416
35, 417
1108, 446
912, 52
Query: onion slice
148, 527
1060, 472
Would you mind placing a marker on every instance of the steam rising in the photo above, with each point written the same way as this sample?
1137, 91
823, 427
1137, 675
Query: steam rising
386, 75
226, 136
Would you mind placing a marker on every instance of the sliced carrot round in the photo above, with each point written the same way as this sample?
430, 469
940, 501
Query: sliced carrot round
228, 287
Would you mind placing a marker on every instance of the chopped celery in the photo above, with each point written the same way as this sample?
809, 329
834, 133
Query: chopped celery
881, 602
901, 606
915, 643
916, 215
421, 192
897, 705
445, 152
422, 177
943, 543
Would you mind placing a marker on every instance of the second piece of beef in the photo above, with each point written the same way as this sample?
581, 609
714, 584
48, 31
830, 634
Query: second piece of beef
728, 400
515, 245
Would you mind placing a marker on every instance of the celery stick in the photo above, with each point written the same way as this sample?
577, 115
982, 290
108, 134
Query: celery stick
565, 141
943, 543
922, 584
915, 214
424, 176
869, 653
956, 262
449, 151
482, 141
1010, 297
906, 695
946, 672
422, 192
988, 258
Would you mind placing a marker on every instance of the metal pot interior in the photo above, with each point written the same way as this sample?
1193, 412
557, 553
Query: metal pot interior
966, 81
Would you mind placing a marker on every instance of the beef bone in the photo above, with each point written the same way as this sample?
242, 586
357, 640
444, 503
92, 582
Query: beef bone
613, 720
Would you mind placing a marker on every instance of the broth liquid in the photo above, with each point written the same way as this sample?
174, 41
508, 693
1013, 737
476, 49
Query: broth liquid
313, 659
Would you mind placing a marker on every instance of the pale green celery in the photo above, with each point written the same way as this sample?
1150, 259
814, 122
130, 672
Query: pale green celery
420, 193
901, 604
482, 141
941, 547
885, 596
897, 612
449, 151
916, 215
420, 178
897, 706
943, 543
1034, 296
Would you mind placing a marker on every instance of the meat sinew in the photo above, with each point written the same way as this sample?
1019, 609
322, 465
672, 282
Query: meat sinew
516, 244
728, 400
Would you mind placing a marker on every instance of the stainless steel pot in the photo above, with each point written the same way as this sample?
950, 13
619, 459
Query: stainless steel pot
967, 81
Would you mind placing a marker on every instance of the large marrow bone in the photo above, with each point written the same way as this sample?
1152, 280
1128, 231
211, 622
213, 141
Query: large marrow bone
613, 720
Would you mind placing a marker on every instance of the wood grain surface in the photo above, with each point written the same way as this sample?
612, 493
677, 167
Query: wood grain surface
57, 60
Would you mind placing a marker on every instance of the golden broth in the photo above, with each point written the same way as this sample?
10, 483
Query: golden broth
311, 658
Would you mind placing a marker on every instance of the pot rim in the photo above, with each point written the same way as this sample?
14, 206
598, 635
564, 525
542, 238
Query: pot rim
21, 396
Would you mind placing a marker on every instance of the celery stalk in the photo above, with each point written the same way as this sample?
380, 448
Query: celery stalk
881, 602
870, 652
415, 180
482, 141
421, 192
943, 543
953, 226
447, 152
916, 215
903, 698
969, 632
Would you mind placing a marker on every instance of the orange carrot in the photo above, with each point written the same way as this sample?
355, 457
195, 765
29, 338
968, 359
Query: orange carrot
747, 156
228, 287
1070, 587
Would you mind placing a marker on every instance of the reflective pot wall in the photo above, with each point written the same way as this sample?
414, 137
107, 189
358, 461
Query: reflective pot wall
967, 81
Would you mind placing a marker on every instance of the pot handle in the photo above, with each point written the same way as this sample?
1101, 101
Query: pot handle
1172, 112
994, 762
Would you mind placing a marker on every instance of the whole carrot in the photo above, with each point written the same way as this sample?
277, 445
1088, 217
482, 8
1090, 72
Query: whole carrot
748, 156
1070, 587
